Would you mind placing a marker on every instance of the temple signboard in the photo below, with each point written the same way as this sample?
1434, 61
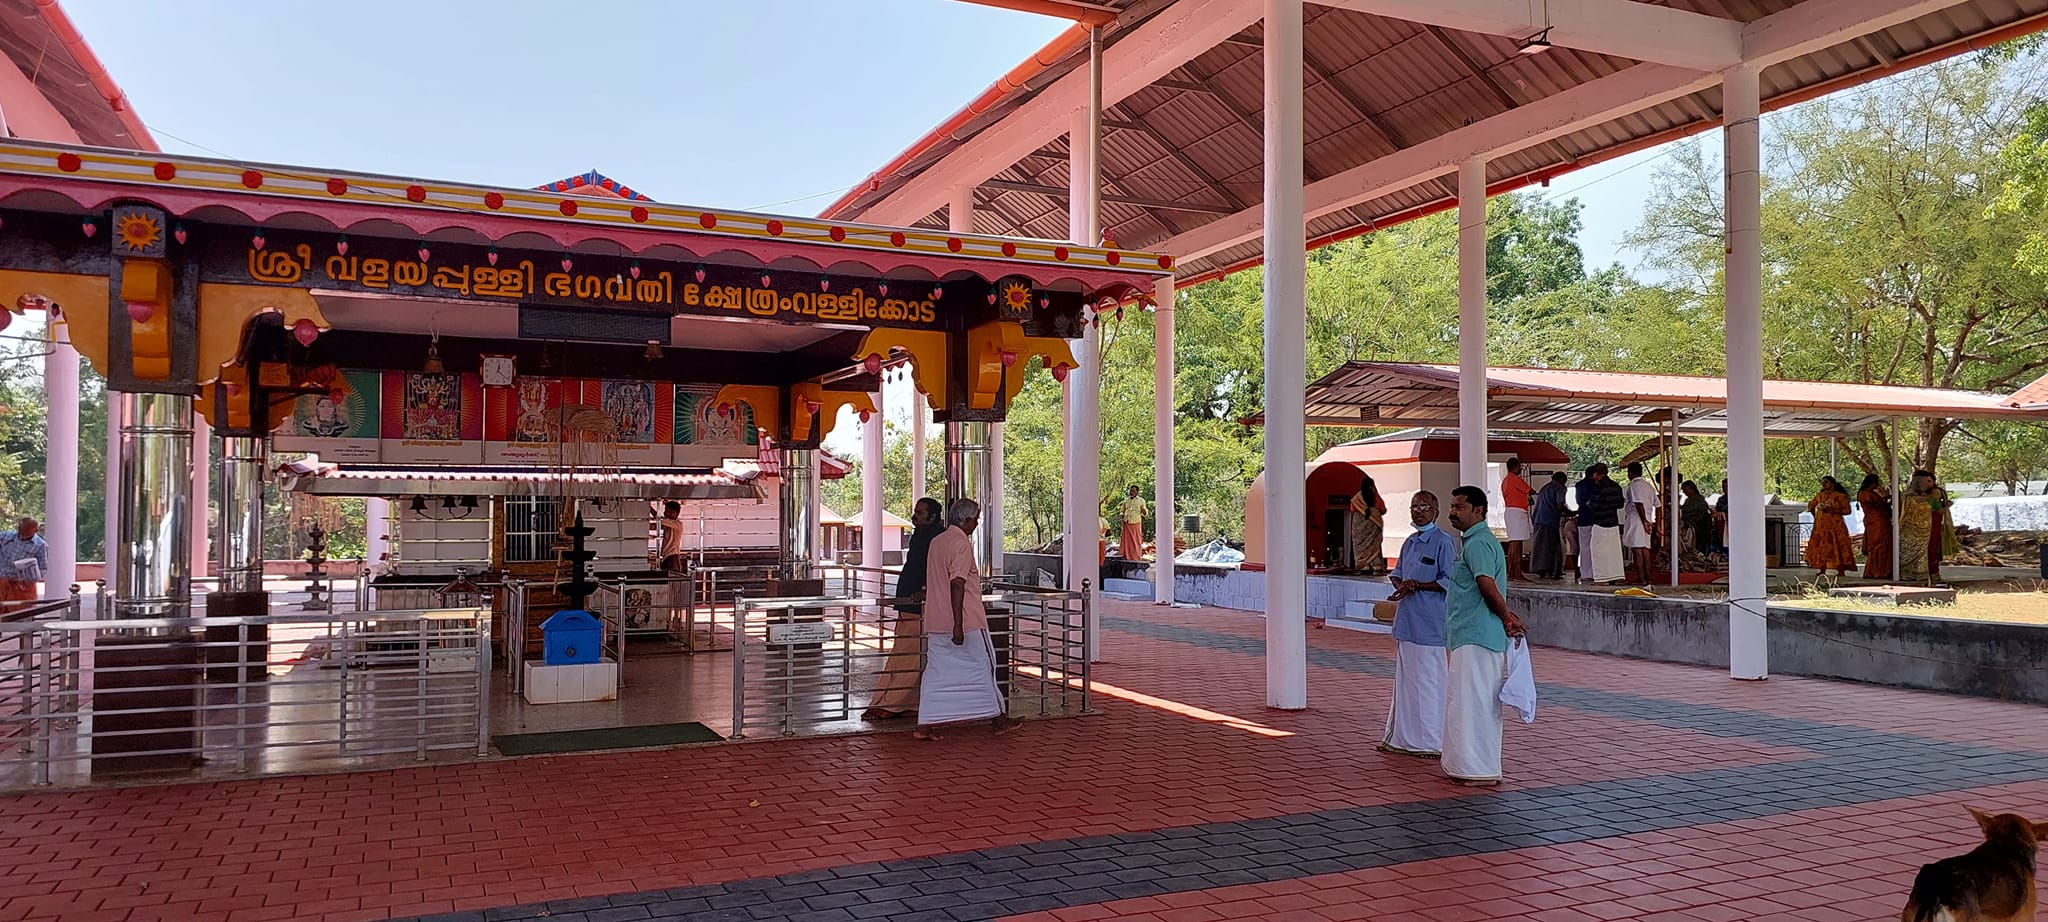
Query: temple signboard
615, 283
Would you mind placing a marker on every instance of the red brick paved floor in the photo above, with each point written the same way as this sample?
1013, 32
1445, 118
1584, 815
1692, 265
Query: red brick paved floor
512, 832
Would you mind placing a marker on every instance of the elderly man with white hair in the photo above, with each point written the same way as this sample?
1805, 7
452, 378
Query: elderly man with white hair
23, 559
959, 682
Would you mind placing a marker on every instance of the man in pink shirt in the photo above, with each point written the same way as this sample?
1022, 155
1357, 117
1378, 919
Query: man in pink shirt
959, 682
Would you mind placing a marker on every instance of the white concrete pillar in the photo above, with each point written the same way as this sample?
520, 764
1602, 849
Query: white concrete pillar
376, 541
1084, 419
117, 409
1286, 293
960, 220
60, 473
992, 511
872, 478
1472, 326
1165, 523
1748, 653
919, 421
202, 496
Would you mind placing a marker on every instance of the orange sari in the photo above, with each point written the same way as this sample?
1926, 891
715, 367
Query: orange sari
1829, 547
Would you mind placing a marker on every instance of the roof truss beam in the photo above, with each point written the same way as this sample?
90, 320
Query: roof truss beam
1555, 116
1138, 58
1622, 28
1060, 194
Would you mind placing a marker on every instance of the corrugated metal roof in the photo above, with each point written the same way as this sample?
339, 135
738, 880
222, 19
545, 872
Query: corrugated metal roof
1568, 399
1374, 84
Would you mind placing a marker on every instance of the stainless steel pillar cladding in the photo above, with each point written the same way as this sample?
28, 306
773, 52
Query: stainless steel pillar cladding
153, 556
969, 474
799, 527
242, 464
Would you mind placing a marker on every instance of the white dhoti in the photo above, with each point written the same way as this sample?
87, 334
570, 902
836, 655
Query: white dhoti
1472, 721
959, 681
1608, 565
1415, 722
1585, 550
1635, 533
1519, 525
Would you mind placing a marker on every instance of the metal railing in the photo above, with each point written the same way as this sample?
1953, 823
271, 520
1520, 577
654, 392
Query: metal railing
806, 664
88, 699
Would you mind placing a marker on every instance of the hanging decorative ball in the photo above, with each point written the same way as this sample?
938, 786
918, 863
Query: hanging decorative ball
491, 256
812, 407
257, 240
341, 245
423, 252
865, 415
824, 284
1044, 302
88, 227
1059, 373
178, 234
991, 296
872, 364
141, 311
634, 269
567, 264
882, 289
305, 331
700, 275
938, 292
765, 281
1009, 358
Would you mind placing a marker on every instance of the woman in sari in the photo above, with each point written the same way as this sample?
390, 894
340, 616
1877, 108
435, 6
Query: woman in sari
1368, 525
1829, 547
1877, 527
1925, 535
1696, 520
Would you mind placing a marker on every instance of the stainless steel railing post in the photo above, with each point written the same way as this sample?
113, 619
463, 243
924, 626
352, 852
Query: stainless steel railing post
241, 697
43, 709
483, 679
739, 665
1087, 668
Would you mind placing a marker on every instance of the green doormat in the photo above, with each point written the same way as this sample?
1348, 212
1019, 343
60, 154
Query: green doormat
527, 744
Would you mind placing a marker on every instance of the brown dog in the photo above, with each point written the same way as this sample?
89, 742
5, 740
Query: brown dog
1993, 883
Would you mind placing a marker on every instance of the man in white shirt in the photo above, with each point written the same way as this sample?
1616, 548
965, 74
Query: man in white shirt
1638, 518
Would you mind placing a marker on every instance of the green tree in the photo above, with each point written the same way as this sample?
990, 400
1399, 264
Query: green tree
1892, 252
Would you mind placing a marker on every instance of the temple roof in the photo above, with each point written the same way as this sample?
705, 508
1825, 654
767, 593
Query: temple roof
594, 184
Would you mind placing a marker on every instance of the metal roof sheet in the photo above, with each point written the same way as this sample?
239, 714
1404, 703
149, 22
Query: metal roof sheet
1375, 83
1566, 399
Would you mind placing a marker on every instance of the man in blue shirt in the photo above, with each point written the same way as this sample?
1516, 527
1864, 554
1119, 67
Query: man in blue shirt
1415, 721
1477, 630
23, 559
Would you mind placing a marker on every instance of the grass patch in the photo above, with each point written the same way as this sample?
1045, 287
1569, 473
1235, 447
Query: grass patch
2023, 602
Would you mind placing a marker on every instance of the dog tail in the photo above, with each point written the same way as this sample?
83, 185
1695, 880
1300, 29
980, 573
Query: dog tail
1937, 890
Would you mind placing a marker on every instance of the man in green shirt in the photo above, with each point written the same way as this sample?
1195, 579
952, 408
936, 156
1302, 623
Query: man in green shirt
1477, 632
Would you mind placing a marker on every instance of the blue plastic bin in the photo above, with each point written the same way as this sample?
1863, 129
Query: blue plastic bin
570, 636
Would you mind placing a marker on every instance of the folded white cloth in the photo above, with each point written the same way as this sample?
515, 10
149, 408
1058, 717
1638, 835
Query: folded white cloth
1519, 690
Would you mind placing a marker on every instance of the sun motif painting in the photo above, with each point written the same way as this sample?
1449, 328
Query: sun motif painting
138, 233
